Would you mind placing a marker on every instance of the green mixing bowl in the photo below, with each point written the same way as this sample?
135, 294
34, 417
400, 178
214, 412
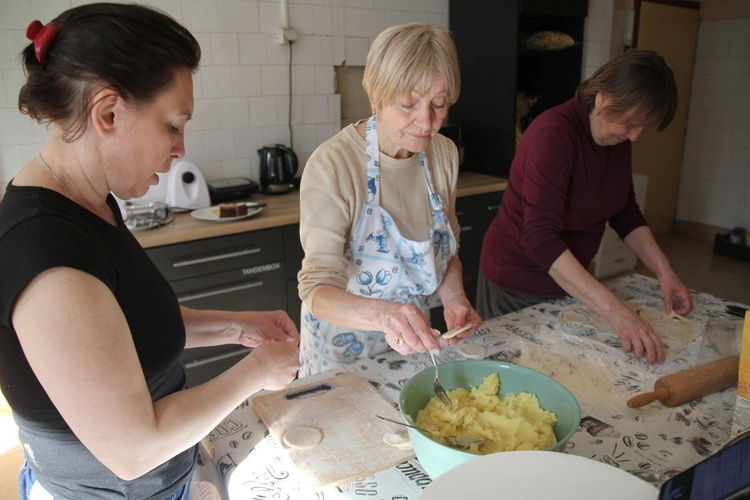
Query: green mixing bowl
437, 458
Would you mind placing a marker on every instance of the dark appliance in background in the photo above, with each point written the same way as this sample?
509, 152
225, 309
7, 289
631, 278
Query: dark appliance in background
497, 69
238, 188
278, 166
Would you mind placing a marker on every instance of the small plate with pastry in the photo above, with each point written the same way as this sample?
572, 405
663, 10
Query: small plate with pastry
227, 212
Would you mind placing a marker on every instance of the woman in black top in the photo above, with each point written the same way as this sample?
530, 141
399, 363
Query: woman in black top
90, 332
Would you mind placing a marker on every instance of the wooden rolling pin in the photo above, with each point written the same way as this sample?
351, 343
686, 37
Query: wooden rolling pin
691, 384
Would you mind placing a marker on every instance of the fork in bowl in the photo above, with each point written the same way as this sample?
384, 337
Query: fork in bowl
438, 386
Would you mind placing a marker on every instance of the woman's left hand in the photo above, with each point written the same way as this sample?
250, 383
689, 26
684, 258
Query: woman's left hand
262, 327
457, 313
676, 294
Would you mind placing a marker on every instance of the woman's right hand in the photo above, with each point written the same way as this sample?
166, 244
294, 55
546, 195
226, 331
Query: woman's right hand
278, 362
406, 323
637, 335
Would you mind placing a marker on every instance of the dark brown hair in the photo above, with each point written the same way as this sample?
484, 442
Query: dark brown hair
637, 80
133, 49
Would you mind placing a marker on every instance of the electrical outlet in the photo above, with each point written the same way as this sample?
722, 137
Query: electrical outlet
285, 35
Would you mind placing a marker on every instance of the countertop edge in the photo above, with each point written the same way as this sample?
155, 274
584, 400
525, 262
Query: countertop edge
281, 210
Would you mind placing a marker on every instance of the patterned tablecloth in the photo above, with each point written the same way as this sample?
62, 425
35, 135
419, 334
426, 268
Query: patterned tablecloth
653, 442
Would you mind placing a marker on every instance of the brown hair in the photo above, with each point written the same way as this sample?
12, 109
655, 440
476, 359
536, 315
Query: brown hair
407, 56
133, 49
637, 80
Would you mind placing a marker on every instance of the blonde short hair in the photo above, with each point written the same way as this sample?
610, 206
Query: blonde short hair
410, 56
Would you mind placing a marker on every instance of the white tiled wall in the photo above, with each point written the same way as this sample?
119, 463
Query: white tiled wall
715, 182
622, 30
242, 87
597, 36
715, 178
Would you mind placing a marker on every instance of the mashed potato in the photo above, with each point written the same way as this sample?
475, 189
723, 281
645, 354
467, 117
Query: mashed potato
505, 423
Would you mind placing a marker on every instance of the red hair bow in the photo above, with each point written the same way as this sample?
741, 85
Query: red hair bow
42, 36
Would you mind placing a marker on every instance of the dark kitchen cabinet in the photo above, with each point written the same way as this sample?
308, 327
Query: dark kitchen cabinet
257, 270
474, 213
241, 272
293, 255
495, 68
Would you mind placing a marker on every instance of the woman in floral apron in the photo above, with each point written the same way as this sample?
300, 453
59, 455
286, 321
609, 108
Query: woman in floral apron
378, 221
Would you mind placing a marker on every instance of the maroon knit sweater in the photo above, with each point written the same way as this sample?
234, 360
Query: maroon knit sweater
562, 190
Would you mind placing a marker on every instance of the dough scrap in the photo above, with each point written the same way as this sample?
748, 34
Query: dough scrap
400, 441
473, 351
302, 438
452, 333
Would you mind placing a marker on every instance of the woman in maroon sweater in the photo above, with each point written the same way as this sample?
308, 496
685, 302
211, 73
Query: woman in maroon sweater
571, 175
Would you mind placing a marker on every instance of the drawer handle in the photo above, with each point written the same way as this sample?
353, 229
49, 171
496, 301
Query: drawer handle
213, 293
214, 258
219, 357
492, 208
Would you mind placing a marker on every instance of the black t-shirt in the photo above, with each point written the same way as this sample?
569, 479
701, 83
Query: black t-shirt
39, 230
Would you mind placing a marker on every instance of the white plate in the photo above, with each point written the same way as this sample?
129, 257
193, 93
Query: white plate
537, 474
208, 214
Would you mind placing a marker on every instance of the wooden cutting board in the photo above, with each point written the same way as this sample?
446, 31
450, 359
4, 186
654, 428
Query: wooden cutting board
343, 408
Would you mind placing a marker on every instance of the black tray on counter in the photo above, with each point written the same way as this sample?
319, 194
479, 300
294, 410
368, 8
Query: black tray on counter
722, 246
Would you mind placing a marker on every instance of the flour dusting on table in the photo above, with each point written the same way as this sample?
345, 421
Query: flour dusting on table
567, 366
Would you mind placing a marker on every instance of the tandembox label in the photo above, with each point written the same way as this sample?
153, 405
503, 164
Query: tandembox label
249, 271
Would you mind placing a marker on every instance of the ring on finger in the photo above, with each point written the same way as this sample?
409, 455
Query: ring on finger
400, 341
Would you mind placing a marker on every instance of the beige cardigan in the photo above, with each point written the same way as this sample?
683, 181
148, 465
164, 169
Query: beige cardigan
334, 188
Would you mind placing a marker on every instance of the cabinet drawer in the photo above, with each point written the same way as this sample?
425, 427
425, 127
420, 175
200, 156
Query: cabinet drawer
613, 262
487, 206
201, 365
611, 241
253, 288
474, 214
293, 302
293, 253
213, 255
466, 220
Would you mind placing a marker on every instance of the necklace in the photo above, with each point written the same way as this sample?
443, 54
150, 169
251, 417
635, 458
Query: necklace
103, 212
52, 173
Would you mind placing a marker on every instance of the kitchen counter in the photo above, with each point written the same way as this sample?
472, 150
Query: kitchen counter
653, 443
282, 210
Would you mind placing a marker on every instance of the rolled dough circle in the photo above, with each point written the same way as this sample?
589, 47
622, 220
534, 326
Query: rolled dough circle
302, 438
650, 315
473, 351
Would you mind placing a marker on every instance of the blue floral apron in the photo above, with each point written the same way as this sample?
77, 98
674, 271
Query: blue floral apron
382, 265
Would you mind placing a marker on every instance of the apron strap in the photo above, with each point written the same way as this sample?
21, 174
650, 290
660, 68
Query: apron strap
372, 155
435, 201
